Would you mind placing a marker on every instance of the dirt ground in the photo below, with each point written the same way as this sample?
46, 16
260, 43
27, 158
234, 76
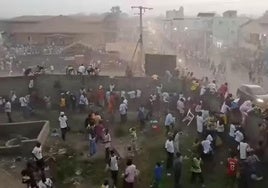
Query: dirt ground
9, 180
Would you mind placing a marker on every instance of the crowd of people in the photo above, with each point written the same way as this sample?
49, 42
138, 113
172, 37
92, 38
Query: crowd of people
23, 50
92, 69
191, 104
34, 175
244, 158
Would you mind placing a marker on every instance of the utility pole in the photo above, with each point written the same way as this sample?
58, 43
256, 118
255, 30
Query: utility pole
139, 68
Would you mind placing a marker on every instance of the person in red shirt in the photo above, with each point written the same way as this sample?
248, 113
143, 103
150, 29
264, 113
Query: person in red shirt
223, 90
232, 167
111, 106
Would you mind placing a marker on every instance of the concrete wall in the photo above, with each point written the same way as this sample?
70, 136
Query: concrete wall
19, 84
45, 84
36, 132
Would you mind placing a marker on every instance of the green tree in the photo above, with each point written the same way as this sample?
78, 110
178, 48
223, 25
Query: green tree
116, 10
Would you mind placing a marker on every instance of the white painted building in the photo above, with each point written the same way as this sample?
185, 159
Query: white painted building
225, 29
171, 14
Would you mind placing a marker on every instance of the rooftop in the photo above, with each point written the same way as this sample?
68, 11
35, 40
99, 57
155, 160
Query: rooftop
206, 14
58, 24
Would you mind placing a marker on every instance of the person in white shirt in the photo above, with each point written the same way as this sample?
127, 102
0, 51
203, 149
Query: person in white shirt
107, 144
13, 96
81, 69
212, 87
38, 156
246, 107
199, 124
114, 168
52, 69
232, 131
111, 87
125, 101
206, 144
63, 125
198, 107
169, 146
220, 128
224, 110
210, 138
207, 149
205, 115
243, 149
239, 136
130, 174
83, 102
202, 90
123, 112
165, 97
181, 107
24, 104
31, 85
23, 101
169, 122
7, 109
177, 142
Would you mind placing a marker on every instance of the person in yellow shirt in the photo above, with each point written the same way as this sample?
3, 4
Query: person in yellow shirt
62, 103
197, 170
195, 89
195, 85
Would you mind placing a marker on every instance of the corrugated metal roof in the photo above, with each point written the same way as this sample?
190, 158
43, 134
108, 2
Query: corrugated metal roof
255, 27
30, 18
58, 24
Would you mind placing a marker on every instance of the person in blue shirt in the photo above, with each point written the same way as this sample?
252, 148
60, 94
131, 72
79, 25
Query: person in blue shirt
158, 174
169, 122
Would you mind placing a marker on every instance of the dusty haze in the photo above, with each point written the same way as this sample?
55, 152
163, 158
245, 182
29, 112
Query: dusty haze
11, 8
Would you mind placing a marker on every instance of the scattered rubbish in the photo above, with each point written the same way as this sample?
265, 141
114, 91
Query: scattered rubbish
55, 133
78, 172
76, 183
153, 121
62, 151
12, 166
18, 159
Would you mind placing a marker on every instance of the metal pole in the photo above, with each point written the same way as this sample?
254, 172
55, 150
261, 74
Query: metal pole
141, 41
140, 68
205, 44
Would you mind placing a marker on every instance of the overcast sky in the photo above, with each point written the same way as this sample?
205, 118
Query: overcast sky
10, 8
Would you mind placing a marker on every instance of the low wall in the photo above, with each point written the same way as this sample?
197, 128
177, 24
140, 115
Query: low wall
52, 85
37, 131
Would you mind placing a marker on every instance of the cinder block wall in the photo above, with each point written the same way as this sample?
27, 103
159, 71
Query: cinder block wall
36, 131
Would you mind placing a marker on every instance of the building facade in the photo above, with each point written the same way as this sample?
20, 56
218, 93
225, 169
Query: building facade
61, 30
225, 29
